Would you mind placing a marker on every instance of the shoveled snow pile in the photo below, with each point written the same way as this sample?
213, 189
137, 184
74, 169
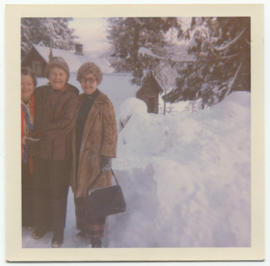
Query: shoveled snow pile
186, 178
130, 107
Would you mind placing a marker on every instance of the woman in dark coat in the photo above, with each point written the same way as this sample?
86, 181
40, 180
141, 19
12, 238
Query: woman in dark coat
28, 83
93, 145
55, 109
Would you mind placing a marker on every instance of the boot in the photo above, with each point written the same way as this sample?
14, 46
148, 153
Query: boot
58, 237
39, 232
96, 243
82, 234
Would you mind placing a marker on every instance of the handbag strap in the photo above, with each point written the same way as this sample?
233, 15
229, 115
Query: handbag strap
94, 182
115, 177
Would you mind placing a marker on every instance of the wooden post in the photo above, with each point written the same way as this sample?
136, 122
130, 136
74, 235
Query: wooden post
164, 107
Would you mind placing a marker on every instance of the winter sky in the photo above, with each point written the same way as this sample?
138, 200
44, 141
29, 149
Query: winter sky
91, 33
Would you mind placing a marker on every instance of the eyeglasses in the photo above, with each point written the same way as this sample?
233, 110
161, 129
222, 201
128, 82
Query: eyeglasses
90, 80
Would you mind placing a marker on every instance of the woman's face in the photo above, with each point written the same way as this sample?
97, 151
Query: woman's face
58, 78
27, 87
89, 83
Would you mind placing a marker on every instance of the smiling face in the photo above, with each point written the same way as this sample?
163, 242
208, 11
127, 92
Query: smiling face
27, 87
89, 83
58, 78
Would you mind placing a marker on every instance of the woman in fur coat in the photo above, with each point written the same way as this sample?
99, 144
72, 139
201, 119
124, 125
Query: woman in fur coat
55, 108
93, 145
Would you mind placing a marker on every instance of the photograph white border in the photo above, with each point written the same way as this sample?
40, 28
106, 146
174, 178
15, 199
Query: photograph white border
14, 252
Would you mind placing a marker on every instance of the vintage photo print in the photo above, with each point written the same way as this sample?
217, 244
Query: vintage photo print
134, 133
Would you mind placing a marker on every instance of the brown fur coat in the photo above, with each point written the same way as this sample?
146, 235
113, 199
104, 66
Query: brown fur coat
99, 139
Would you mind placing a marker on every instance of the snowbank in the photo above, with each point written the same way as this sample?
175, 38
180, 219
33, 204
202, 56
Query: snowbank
130, 107
186, 177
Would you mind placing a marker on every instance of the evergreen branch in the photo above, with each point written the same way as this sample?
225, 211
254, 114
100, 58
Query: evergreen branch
232, 82
229, 44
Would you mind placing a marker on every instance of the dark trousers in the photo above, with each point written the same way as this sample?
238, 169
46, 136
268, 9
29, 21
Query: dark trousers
27, 196
51, 188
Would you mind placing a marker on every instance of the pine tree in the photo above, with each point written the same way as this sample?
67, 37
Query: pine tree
138, 44
222, 48
220, 45
54, 32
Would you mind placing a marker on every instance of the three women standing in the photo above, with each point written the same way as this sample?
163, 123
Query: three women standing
55, 108
77, 139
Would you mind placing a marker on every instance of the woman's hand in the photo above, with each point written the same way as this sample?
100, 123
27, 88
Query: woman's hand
106, 164
33, 145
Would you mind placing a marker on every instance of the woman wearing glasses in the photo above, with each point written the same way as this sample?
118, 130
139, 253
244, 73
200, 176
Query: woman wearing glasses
93, 145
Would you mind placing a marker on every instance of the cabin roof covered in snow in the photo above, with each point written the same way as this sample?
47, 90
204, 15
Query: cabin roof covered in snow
177, 53
73, 60
167, 73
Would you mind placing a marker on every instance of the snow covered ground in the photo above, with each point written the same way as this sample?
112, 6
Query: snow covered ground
185, 176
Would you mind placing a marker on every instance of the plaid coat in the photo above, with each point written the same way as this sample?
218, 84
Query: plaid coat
99, 138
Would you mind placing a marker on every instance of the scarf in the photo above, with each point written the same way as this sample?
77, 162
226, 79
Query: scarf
29, 124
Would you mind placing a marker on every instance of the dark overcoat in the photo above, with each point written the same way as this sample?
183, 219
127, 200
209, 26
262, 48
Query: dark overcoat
99, 139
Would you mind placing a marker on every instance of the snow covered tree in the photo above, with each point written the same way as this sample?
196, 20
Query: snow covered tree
54, 32
222, 49
138, 44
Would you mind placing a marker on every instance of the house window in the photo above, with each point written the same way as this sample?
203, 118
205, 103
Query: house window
36, 66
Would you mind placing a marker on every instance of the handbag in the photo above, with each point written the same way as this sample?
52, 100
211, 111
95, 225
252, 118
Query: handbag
105, 201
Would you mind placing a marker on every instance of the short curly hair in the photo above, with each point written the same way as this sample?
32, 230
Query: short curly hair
89, 68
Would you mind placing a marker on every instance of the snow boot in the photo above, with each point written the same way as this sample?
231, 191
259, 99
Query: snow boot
82, 234
58, 237
96, 243
39, 232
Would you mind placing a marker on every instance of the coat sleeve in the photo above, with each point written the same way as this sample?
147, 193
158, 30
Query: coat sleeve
64, 125
109, 142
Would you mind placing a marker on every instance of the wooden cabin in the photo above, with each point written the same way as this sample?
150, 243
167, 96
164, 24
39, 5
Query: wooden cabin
36, 62
39, 56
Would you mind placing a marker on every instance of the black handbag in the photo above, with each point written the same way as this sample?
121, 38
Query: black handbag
106, 201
